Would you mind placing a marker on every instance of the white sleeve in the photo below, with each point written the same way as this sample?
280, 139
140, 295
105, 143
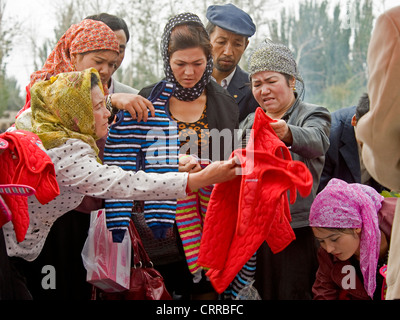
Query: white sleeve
78, 170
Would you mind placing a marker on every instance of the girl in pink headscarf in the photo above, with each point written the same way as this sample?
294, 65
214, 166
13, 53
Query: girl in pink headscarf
352, 223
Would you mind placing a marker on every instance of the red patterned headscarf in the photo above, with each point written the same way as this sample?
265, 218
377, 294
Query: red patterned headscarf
88, 35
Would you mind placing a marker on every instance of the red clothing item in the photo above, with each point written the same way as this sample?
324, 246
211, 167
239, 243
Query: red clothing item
253, 207
24, 162
27, 101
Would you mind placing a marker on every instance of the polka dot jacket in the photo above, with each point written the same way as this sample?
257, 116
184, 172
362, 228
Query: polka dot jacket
78, 175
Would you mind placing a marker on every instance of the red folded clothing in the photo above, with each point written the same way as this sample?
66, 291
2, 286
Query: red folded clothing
254, 207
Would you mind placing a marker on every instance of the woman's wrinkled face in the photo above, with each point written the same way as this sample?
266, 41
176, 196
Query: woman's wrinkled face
272, 92
342, 245
100, 112
188, 66
104, 61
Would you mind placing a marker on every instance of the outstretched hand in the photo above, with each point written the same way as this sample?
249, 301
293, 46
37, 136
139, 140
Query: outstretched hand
216, 172
189, 163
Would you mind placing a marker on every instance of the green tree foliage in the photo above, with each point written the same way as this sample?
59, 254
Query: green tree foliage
329, 40
146, 63
330, 48
9, 97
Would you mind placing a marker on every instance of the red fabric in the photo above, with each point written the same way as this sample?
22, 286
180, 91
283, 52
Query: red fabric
253, 207
27, 101
24, 162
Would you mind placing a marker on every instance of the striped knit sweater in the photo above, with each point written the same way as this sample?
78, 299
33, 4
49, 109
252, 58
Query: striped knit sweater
151, 146
190, 215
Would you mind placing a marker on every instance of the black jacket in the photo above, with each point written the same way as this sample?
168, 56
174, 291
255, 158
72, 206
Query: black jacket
240, 89
342, 160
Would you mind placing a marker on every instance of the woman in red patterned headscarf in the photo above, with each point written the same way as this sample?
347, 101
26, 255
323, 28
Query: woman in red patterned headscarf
89, 44
84, 37
80, 39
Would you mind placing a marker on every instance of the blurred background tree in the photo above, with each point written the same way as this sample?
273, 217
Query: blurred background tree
330, 49
9, 90
329, 40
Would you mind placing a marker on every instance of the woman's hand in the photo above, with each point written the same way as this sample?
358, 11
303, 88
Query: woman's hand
188, 163
136, 105
216, 172
282, 131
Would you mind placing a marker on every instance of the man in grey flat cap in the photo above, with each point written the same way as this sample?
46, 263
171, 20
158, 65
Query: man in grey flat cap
230, 29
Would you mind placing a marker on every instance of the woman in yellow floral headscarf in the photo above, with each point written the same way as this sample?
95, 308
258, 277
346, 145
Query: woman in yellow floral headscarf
68, 115
62, 109
65, 117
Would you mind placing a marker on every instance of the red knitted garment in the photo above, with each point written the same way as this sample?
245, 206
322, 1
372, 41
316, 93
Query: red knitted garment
254, 207
25, 163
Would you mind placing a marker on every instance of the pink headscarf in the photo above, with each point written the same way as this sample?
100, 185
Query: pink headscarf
343, 205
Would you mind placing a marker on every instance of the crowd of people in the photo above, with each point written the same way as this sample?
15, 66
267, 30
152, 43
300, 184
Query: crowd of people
92, 129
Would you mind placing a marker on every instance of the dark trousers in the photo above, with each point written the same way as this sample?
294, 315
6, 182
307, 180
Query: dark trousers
12, 283
289, 274
62, 250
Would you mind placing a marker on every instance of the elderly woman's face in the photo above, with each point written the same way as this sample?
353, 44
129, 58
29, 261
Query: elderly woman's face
272, 92
188, 66
100, 112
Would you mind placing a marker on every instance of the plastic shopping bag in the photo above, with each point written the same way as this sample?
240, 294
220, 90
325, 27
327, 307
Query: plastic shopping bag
248, 292
108, 263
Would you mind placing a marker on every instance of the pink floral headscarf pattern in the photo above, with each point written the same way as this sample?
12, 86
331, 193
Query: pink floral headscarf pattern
343, 205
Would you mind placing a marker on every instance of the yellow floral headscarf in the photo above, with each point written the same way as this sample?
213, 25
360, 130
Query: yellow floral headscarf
62, 109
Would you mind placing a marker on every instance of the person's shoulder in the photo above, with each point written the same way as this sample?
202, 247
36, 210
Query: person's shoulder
145, 91
213, 88
120, 87
344, 112
386, 214
241, 74
247, 122
220, 97
73, 147
313, 108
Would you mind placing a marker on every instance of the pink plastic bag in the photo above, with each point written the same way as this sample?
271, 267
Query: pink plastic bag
107, 263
